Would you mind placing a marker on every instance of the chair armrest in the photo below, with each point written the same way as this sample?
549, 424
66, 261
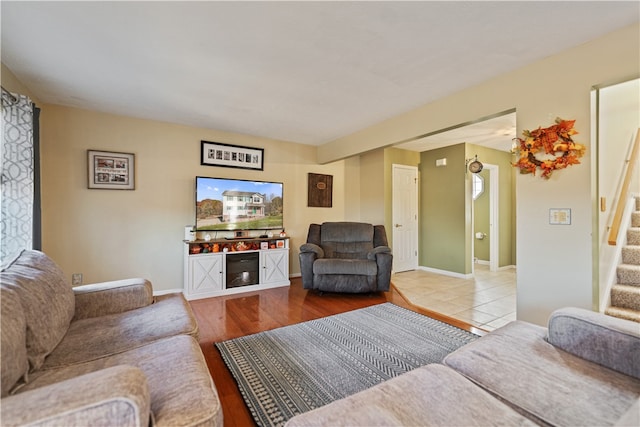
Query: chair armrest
114, 396
100, 299
309, 252
384, 260
372, 254
605, 340
312, 247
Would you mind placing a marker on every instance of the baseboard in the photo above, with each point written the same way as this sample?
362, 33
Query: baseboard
446, 272
295, 275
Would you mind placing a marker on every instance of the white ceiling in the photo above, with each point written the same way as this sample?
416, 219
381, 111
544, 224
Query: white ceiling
308, 72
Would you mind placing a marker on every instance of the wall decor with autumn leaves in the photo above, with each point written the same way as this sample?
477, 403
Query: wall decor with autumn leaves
548, 149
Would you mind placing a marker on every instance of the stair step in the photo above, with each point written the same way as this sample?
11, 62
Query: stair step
635, 218
633, 236
631, 254
623, 313
625, 296
628, 274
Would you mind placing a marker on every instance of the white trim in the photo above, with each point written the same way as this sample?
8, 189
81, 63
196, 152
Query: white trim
446, 272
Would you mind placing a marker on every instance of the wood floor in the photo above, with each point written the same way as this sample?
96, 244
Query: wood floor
232, 316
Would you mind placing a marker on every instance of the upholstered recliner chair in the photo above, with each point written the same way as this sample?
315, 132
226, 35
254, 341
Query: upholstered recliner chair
346, 257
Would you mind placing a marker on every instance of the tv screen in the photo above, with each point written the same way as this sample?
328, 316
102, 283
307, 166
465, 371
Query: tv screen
224, 204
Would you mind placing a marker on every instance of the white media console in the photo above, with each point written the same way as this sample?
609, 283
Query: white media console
228, 266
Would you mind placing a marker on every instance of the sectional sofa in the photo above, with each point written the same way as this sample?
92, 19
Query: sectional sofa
583, 370
108, 354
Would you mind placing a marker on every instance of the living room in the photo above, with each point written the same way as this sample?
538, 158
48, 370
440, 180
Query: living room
109, 235
140, 232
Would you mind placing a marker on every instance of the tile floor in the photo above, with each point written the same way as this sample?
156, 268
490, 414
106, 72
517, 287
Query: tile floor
487, 301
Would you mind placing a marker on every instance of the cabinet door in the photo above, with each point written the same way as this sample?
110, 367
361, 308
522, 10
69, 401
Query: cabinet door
206, 273
274, 266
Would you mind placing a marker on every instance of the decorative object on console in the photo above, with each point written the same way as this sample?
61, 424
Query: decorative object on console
110, 170
231, 156
320, 190
549, 148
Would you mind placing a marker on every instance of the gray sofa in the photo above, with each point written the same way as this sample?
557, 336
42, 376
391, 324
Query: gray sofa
583, 370
349, 257
108, 354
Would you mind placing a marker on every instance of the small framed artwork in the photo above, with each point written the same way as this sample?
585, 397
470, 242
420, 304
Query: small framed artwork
231, 156
279, 243
264, 245
109, 170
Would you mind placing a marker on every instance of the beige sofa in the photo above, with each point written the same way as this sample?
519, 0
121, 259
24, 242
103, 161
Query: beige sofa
583, 370
107, 354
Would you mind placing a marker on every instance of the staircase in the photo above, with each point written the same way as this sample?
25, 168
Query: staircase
625, 295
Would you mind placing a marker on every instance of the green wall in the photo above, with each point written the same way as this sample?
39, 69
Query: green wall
443, 212
445, 241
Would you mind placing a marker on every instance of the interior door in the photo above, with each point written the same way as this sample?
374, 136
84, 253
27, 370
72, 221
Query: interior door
405, 218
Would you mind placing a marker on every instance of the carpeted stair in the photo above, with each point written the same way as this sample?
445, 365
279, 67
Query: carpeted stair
625, 295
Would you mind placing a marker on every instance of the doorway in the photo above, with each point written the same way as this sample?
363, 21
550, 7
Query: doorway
405, 217
485, 217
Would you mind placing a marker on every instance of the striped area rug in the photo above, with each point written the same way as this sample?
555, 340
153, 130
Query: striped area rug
293, 369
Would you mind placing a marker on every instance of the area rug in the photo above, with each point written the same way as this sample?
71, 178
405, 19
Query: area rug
296, 368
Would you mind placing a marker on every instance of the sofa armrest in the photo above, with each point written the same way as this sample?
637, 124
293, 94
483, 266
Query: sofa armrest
114, 396
100, 299
605, 340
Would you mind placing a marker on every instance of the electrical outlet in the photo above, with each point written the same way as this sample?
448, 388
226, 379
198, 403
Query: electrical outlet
76, 279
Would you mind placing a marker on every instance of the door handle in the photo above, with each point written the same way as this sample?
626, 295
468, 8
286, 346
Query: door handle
398, 225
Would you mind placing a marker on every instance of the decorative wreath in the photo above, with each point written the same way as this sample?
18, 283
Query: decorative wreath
549, 148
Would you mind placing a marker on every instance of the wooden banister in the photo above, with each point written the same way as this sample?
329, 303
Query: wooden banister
624, 191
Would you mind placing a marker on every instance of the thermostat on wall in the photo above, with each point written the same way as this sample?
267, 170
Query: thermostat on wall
560, 216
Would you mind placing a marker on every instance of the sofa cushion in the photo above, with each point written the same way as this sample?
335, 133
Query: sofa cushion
519, 366
47, 299
345, 266
181, 390
13, 346
432, 395
346, 239
96, 337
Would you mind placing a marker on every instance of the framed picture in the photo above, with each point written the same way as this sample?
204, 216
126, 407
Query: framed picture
110, 170
320, 190
231, 156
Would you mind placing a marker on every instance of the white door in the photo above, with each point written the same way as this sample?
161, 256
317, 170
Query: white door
405, 218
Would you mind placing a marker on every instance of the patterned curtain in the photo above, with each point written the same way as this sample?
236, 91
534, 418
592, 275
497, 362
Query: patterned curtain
17, 177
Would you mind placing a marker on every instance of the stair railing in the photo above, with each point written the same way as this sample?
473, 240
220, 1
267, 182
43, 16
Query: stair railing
630, 165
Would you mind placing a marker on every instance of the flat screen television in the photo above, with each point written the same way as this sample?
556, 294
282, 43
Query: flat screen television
224, 204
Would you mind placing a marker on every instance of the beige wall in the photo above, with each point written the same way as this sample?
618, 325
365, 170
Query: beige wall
111, 234
554, 262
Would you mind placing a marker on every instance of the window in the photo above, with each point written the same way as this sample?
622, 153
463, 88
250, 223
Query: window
478, 186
